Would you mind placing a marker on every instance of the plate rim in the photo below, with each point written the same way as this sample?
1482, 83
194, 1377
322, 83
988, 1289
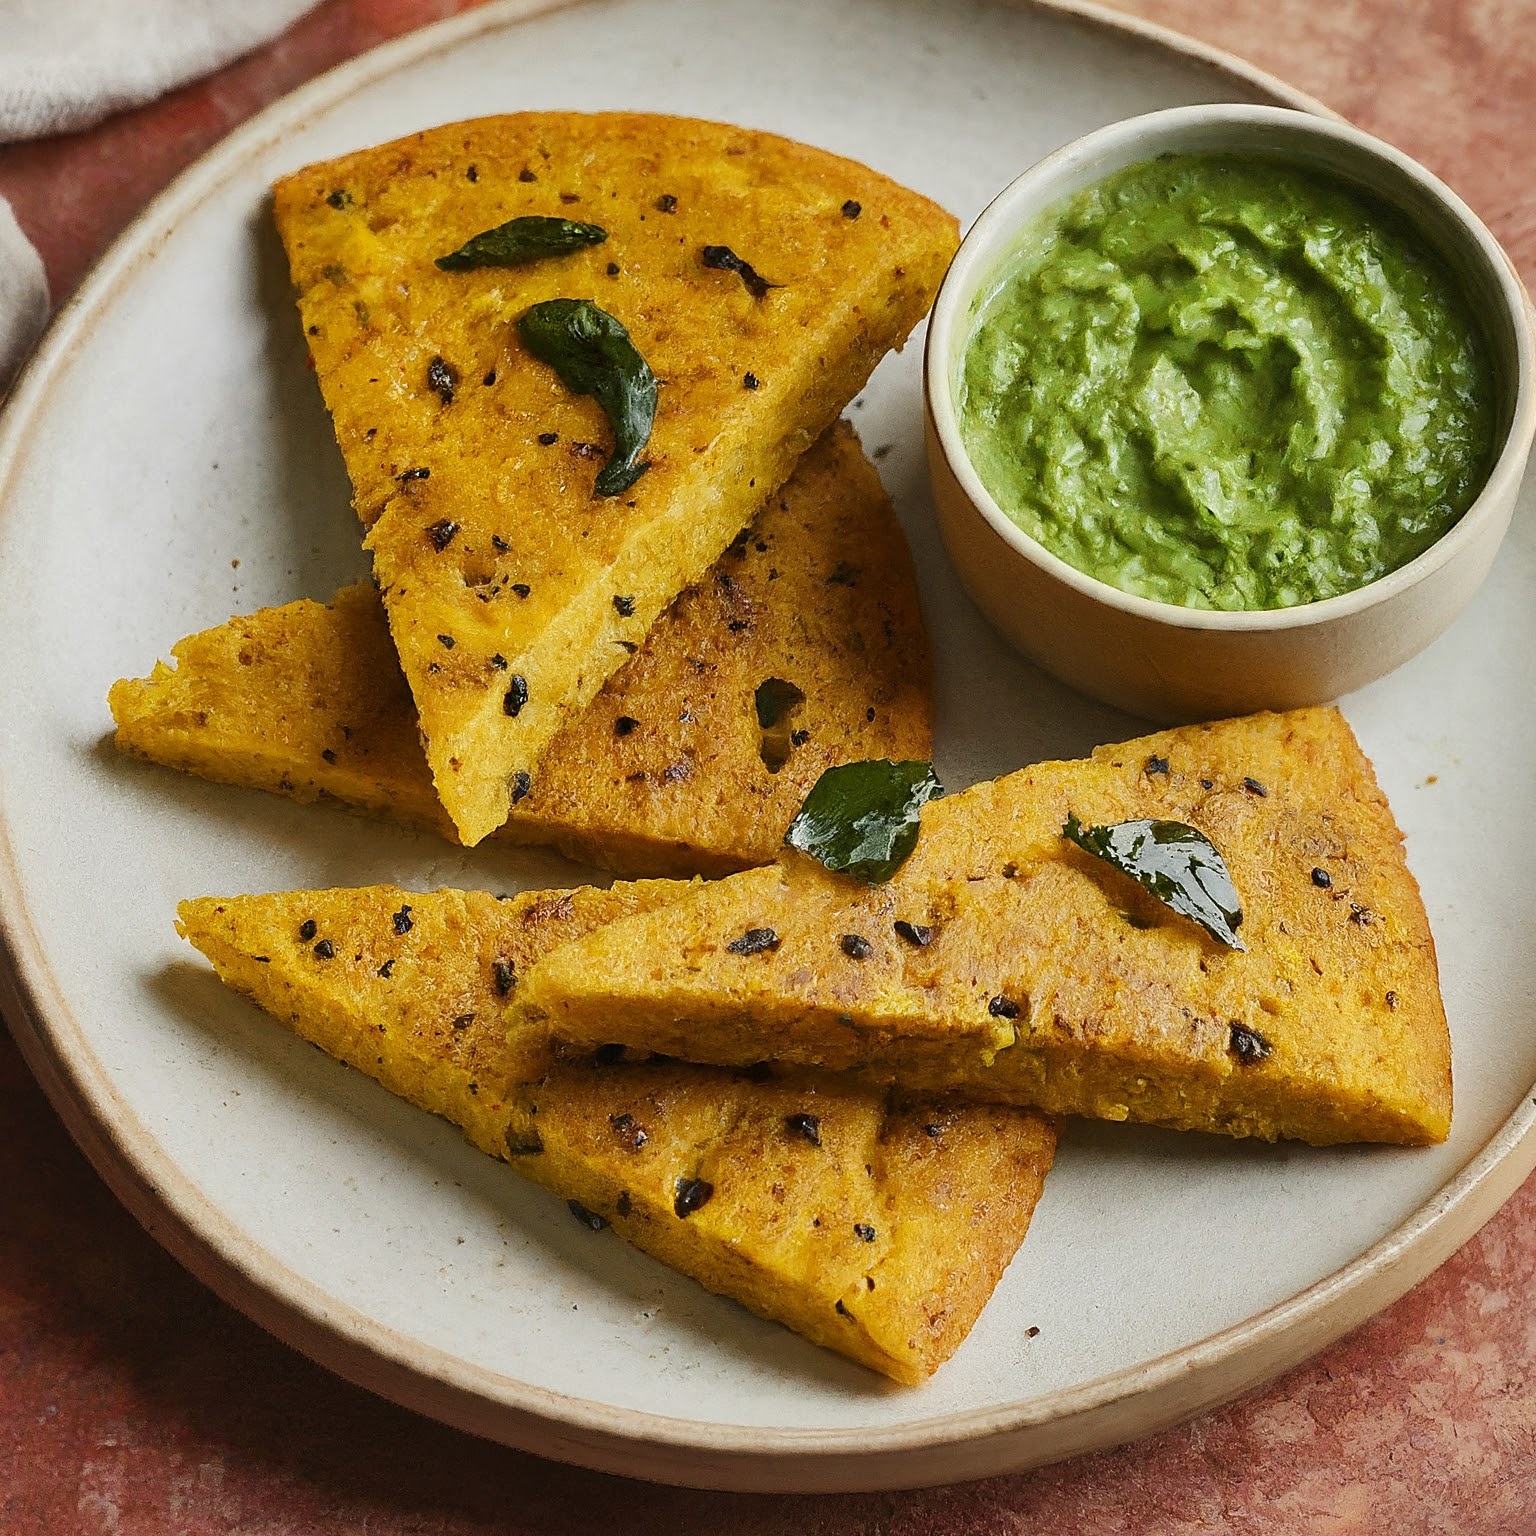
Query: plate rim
946, 1447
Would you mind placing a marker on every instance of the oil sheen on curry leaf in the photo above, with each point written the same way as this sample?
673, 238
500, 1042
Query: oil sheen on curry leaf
1180, 866
592, 353
861, 819
519, 242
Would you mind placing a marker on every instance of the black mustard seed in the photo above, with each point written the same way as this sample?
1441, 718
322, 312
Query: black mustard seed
806, 1127
755, 941
692, 1195
1248, 1045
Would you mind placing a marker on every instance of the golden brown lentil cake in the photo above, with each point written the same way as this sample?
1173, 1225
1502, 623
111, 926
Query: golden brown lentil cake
474, 466
1005, 962
671, 769
873, 1224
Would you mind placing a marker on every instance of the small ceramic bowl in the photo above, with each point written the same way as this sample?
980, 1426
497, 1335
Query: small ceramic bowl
1171, 663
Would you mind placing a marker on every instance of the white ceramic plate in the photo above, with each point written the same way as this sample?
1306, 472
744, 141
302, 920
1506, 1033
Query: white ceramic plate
166, 460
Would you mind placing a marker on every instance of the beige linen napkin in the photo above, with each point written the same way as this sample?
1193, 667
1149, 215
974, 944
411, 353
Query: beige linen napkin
65, 64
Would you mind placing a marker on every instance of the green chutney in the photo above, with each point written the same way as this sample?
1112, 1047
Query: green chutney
1227, 383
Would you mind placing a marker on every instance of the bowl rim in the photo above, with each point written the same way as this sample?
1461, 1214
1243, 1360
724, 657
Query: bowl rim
998, 225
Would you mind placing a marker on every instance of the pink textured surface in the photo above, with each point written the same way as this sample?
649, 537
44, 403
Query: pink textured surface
133, 1402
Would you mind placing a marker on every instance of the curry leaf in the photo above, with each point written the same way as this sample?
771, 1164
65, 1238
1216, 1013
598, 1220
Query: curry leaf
592, 353
862, 818
1176, 863
521, 241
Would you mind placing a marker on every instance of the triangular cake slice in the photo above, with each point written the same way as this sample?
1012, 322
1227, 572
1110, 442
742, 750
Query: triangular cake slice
874, 1224
1004, 961
804, 647
759, 279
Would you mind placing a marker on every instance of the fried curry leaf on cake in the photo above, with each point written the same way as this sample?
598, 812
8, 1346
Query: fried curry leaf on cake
861, 818
520, 241
593, 354
1178, 864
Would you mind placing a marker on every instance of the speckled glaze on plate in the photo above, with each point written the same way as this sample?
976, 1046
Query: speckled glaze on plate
166, 460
